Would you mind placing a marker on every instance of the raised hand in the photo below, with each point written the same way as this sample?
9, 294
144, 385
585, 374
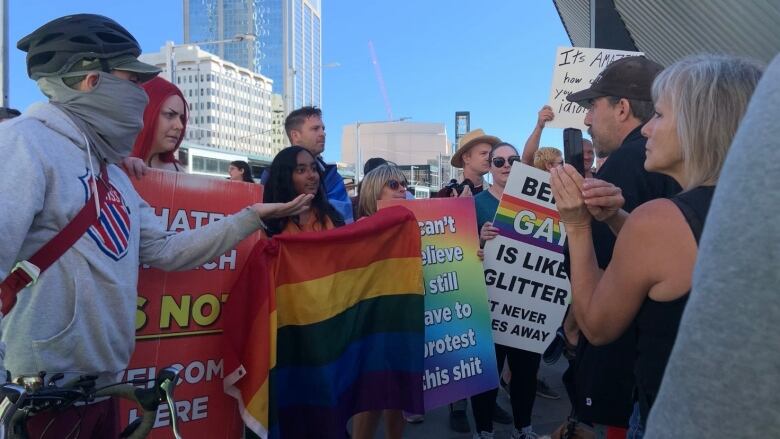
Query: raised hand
545, 115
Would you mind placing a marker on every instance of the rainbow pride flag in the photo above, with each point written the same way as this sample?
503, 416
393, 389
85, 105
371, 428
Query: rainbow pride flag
321, 326
539, 225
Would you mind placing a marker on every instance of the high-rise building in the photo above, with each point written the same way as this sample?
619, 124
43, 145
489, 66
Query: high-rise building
279, 138
230, 107
287, 47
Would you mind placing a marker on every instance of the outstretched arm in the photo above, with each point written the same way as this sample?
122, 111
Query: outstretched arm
532, 144
172, 251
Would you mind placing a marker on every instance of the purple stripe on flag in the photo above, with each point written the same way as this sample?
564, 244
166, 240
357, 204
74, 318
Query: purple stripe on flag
508, 231
371, 391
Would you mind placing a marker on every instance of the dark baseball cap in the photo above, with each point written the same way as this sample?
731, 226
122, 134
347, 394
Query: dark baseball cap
8, 113
631, 78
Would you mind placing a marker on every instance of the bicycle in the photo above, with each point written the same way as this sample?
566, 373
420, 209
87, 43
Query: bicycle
28, 396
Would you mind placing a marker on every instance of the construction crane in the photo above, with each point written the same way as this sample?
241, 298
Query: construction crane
380, 80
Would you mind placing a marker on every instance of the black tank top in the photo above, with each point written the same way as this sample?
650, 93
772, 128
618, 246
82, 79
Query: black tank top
657, 322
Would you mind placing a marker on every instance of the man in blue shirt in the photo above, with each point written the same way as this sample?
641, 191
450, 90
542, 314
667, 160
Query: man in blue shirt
304, 128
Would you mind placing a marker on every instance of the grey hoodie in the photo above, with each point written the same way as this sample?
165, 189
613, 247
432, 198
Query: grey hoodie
80, 316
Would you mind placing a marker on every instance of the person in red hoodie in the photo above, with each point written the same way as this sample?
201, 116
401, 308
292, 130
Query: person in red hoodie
165, 122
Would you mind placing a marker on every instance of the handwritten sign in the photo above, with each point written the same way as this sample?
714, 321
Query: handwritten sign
575, 69
528, 289
459, 358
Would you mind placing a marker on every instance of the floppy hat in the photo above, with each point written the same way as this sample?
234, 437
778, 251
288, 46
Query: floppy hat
631, 78
468, 141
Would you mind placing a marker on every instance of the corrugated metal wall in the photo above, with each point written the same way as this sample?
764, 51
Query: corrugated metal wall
575, 15
667, 30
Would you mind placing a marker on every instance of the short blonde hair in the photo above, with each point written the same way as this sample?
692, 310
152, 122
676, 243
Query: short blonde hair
708, 95
371, 187
545, 155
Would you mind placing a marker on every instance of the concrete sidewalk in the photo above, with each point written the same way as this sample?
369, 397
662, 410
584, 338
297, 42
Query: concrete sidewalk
547, 415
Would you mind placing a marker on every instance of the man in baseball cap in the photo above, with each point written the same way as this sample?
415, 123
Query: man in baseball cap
619, 103
618, 100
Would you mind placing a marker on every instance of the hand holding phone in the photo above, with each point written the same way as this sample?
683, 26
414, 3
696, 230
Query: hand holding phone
572, 149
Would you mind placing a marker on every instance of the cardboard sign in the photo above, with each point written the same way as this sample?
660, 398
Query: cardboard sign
179, 313
575, 69
460, 358
528, 289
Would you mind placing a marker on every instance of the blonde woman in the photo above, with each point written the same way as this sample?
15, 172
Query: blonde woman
385, 182
547, 157
699, 102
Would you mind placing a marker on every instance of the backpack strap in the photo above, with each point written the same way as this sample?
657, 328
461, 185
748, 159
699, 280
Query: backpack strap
25, 273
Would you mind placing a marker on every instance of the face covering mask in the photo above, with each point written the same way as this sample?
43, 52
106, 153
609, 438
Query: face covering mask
110, 115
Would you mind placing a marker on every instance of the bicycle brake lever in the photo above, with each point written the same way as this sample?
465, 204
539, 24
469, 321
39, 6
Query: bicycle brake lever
169, 377
54, 378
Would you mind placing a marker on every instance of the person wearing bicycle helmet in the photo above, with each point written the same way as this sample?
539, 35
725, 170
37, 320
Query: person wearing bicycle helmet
78, 318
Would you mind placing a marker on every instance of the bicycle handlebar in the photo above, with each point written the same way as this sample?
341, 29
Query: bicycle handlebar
16, 402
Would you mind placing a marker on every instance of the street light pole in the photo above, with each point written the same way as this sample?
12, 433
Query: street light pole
170, 62
4, 101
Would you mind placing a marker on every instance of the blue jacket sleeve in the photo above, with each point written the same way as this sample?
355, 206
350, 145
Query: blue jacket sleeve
337, 193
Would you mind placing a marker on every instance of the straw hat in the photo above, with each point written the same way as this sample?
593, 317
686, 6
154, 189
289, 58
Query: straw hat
469, 140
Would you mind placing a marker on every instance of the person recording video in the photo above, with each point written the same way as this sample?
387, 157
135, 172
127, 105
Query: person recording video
471, 156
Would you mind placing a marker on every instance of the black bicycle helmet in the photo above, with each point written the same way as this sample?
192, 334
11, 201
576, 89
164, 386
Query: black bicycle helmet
55, 47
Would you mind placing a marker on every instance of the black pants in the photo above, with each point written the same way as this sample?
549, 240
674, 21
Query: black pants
522, 389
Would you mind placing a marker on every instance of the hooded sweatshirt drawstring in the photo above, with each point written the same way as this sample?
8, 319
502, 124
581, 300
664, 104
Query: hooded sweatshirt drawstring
94, 176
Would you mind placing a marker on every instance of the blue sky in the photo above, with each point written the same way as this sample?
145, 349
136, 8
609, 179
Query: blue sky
493, 58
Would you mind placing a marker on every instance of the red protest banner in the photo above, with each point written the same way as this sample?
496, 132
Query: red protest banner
179, 316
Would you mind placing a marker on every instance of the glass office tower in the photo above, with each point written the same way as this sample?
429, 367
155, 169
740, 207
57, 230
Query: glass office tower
287, 48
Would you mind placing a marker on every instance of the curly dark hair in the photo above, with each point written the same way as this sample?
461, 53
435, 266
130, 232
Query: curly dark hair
280, 189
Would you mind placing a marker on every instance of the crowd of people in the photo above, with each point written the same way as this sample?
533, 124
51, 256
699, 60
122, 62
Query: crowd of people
633, 219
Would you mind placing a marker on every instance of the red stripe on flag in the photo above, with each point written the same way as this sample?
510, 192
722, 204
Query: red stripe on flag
528, 205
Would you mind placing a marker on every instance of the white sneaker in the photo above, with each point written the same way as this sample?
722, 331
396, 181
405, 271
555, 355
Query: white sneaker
413, 418
517, 434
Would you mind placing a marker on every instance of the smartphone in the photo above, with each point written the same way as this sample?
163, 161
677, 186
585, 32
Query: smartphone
572, 149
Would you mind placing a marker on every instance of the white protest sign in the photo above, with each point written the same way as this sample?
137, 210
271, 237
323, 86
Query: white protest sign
575, 69
528, 289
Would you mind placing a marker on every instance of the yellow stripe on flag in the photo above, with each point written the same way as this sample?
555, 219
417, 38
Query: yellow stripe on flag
302, 303
258, 405
272, 322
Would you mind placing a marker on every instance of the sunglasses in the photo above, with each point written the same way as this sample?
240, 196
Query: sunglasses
499, 162
395, 184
